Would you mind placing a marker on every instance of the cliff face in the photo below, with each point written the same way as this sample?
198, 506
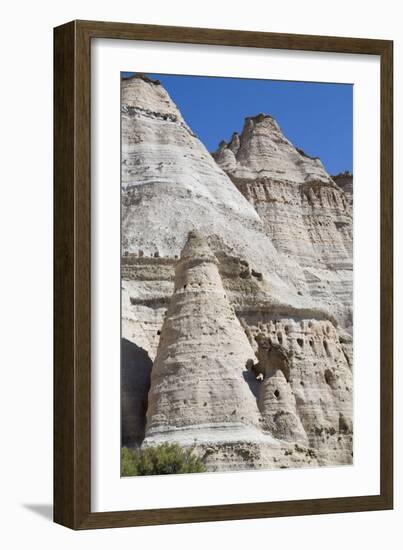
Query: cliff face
243, 327
307, 216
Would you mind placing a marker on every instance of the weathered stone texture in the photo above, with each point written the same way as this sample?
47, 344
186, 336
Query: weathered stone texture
306, 214
248, 326
199, 377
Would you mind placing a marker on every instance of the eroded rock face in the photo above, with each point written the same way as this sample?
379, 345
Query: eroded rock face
262, 150
170, 185
199, 381
270, 268
307, 216
345, 181
292, 407
306, 392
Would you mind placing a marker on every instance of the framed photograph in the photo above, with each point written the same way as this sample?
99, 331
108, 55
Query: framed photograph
222, 275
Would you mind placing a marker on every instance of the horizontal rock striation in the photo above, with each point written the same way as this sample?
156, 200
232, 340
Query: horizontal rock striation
345, 181
171, 184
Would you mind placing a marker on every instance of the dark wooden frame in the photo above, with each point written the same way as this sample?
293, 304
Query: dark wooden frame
72, 320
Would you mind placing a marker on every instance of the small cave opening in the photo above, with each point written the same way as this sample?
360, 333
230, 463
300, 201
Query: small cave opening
329, 377
277, 394
300, 342
327, 350
273, 357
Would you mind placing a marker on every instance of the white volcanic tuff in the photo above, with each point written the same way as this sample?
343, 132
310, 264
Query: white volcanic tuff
299, 414
306, 215
262, 151
149, 96
199, 381
306, 393
172, 185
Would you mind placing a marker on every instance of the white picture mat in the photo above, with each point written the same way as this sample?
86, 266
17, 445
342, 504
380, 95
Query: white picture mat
110, 492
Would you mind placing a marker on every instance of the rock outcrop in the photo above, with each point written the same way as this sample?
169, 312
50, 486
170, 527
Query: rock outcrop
246, 326
207, 388
345, 181
199, 383
306, 391
307, 216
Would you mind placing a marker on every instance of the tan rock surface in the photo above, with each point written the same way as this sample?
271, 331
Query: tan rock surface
307, 216
199, 382
277, 272
345, 181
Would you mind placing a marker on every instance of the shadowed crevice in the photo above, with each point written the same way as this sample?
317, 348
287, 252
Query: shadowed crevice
136, 368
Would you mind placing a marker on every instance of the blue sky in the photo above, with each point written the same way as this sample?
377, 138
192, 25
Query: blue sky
316, 117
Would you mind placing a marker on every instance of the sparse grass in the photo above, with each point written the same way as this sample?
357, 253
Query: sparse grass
167, 458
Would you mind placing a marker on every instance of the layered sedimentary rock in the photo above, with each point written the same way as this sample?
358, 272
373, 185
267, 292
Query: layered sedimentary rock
199, 383
307, 216
171, 184
210, 389
273, 387
306, 389
345, 181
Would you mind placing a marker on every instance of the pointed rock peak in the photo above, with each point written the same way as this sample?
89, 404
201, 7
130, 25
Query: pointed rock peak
258, 118
144, 77
196, 247
257, 125
148, 97
263, 151
235, 142
261, 120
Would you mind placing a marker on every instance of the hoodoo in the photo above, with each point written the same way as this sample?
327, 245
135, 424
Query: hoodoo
199, 383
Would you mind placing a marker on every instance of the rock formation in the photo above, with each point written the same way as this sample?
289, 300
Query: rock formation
345, 181
199, 383
306, 391
307, 216
265, 282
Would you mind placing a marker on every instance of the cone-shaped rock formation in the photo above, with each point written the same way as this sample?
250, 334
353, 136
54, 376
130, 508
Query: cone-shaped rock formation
199, 383
306, 215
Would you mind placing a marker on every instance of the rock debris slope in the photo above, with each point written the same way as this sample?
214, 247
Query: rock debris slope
242, 323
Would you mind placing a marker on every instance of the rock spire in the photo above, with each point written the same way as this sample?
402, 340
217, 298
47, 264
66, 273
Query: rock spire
199, 382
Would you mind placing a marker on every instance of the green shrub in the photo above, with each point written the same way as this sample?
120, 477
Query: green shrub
167, 458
